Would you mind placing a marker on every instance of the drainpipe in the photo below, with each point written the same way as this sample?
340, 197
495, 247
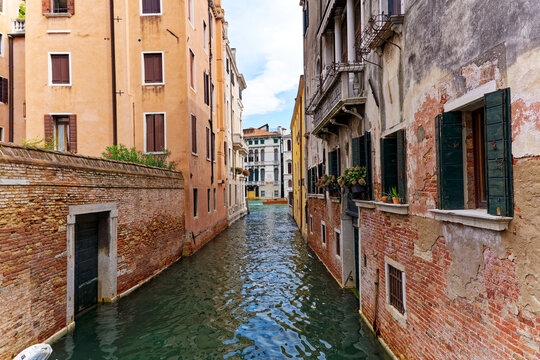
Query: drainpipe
11, 87
113, 69
211, 92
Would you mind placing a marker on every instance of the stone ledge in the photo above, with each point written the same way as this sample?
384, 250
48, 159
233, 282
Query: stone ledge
474, 218
335, 199
365, 204
400, 209
316, 196
57, 15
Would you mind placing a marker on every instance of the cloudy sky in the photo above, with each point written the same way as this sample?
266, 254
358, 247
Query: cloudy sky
268, 38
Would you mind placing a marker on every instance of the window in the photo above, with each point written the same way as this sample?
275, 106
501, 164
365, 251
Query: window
195, 202
289, 168
207, 143
393, 164
151, 7
227, 65
4, 92
262, 155
192, 69
337, 237
250, 156
306, 18
262, 193
190, 11
262, 142
289, 145
61, 133
59, 6
213, 147
289, 183
488, 169
232, 77
208, 199
153, 68
323, 232
155, 132
205, 32
263, 175
256, 155
215, 199
275, 141
250, 142
230, 196
394, 7
276, 174
276, 193
256, 174
225, 197
193, 134
206, 82
361, 155
1, 134
256, 142
311, 224
334, 163
276, 155
225, 152
59, 69
1, 37
395, 294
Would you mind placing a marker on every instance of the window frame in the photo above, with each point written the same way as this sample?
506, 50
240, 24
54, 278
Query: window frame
1, 39
67, 139
144, 83
151, 14
195, 195
389, 262
192, 70
208, 193
50, 67
208, 145
164, 132
215, 199
311, 224
2, 133
323, 234
194, 142
191, 12
337, 242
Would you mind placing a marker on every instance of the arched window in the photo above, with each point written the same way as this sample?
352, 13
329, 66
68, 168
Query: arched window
276, 174
289, 145
250, 156
262, 175
262, 155
276, 155
250, 174
290, 183
256, 174
256, 155
289, 168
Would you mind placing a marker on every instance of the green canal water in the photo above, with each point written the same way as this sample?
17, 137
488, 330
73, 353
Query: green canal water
255, 292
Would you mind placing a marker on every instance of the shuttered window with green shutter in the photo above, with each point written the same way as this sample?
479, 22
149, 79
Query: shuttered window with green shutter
498, 149
394, 164
361, 155
449, 140
333, 163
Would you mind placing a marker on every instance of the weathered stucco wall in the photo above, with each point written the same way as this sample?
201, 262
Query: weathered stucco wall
37, 188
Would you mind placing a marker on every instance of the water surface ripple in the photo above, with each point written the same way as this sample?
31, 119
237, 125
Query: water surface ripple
255, 292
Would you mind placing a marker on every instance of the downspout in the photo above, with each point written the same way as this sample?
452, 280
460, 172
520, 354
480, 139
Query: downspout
210, 91
113, 69
11, 87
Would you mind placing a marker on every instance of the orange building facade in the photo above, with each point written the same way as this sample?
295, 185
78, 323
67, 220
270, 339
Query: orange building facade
146, 74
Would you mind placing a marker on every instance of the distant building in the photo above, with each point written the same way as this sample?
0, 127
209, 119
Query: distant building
264, 162
287, 167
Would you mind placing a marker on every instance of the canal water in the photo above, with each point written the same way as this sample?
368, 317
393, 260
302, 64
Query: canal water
255, 292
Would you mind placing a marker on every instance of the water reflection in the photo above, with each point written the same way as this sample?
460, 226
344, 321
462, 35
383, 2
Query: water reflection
256, 292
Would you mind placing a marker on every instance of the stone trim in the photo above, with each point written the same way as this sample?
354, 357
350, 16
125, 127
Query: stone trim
474, 218
315, 196
365, 204
400, 209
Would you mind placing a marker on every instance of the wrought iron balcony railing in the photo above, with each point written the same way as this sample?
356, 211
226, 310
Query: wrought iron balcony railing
377, 31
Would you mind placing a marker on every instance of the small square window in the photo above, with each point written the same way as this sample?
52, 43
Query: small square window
275, 141
276, 193
155, 132
250, 142
60, 69
262, 193
256, 142
262, 142
153, 68
151, 7
395, 288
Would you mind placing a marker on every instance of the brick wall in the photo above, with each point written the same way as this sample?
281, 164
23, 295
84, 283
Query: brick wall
36, 189
329, 211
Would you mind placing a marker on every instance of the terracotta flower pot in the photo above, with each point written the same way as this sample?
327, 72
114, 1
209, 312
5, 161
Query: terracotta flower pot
395, 200
384, 198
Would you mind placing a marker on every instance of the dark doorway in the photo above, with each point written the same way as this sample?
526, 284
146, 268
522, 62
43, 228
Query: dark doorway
86, 261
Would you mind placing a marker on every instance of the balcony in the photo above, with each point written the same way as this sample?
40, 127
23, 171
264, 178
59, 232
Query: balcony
239, 144
18, 26
378, 30
342, 86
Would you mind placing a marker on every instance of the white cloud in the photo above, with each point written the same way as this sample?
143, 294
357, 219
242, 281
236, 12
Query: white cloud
268, 36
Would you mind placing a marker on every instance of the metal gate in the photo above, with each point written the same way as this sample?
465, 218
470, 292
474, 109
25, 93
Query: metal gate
86, 262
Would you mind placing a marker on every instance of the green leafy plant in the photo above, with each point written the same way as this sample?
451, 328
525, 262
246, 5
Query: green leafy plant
393, 193
245, 172
39, 143
326, 181
353, 176
238, 170
22, 11
122, 153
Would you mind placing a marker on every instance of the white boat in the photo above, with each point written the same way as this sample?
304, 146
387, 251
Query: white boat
35, 352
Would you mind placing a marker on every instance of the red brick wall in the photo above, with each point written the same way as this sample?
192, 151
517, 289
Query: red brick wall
33, 236
328, 211
489, 326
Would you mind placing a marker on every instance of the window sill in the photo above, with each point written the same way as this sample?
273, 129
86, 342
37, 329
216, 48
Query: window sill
53, 15
400, 318
335, 199
365, 204
400, 209
474, 218
316, 196
154, 84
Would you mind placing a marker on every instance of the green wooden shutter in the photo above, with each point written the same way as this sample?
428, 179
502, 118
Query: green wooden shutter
449, 140
388, 164
365, 160
498, 146
333, 162
338, 172
355, 151
402, 165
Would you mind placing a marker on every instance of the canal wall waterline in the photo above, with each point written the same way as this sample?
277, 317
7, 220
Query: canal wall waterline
138, 212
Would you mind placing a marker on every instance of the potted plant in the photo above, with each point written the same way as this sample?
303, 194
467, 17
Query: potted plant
329, 182
245, 173
394, 195
355, 180
238, 170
